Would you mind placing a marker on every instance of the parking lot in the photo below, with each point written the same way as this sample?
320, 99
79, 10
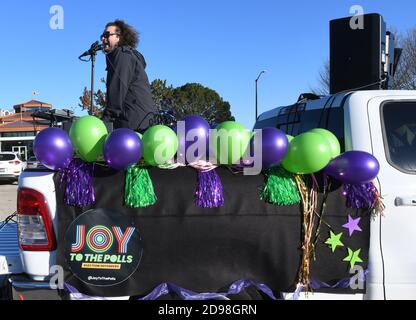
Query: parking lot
8, 193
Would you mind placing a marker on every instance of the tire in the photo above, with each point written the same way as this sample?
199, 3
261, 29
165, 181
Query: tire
6, 292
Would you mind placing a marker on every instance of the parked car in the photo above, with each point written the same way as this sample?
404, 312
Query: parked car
33, 163
11, 166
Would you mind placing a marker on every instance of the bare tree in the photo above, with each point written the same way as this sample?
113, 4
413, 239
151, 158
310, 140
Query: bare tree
405, 76
99, 101
323, 80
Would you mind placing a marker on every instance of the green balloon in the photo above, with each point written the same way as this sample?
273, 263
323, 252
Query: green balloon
289, 137
141, 139
308, 152
332, 139
88, 135
231, 139
159, 144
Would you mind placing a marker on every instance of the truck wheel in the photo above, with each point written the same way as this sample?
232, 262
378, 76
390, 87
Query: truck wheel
5, 288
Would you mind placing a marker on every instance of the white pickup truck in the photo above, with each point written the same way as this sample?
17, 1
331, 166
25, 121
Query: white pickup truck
382, 123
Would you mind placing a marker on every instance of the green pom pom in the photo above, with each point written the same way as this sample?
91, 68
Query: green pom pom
280, 187
139, 192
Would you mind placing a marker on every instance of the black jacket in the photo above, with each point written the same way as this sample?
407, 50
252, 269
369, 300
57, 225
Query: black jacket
129, 98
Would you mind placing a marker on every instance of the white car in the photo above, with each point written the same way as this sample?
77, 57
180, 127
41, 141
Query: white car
33, 163
11, 166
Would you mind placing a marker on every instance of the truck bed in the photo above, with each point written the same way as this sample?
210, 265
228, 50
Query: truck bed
10, 262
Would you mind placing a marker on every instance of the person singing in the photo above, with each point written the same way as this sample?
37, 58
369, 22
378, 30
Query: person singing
129, 98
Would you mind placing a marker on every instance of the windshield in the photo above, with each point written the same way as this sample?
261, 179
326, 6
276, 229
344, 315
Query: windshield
399, 120
6, 156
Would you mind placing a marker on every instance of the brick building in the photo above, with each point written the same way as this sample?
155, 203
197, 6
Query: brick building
18, 130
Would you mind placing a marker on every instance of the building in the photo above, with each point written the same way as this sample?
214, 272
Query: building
18, 130
5, 112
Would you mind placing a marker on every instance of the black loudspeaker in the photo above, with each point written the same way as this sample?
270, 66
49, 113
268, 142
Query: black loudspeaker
356, 54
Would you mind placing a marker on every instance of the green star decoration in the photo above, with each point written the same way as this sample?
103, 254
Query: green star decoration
353, 257
334, 240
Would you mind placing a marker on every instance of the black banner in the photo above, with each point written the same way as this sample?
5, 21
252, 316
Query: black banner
206, 250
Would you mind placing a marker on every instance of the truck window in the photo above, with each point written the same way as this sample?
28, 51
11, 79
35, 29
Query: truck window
6, 156
268, 122
399, 134
288, 119
331, 118
295, 120
310, 120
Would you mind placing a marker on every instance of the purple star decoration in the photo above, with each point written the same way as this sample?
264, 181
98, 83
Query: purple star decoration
352, 225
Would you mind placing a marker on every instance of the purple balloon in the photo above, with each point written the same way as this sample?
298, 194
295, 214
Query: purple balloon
353, 167
274, 146
122, 148
53, 148
200, 131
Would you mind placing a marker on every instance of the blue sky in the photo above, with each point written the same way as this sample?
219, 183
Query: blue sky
222, 44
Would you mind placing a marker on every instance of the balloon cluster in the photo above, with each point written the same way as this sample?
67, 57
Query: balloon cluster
89, 139
306, 153
319, 149
311, 151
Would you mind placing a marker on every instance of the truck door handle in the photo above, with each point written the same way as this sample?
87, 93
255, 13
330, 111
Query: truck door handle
405, 201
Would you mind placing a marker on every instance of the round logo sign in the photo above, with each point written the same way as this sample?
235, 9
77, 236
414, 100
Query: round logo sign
102, 248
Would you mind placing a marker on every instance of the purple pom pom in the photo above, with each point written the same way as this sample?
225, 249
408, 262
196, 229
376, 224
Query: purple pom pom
208, 192
360, 195
79, 189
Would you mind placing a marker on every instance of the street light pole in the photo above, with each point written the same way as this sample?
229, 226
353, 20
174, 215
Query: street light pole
257, 79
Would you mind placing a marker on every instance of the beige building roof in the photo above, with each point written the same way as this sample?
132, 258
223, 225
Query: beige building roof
33, 104
22, 120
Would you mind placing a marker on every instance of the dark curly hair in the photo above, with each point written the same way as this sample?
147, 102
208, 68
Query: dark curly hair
128, 35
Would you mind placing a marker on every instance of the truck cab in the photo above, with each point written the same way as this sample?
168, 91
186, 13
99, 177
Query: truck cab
383, 123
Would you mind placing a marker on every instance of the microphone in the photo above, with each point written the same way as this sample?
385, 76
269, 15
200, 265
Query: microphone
92, 50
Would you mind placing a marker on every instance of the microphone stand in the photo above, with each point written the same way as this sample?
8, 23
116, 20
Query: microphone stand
93, 55
92, 52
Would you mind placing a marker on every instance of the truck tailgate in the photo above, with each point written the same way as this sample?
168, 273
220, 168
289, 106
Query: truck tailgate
10, 262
